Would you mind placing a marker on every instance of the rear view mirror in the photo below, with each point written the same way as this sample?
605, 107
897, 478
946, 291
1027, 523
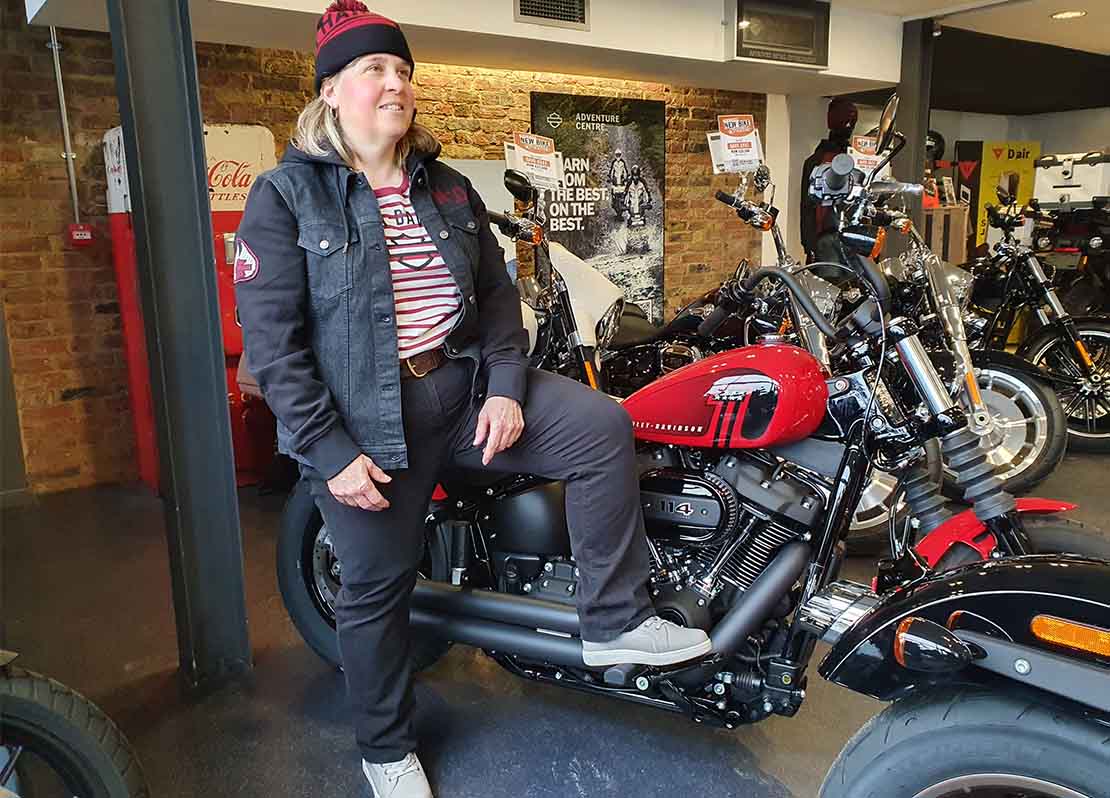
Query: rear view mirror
1003, 195
518, 185
886, 123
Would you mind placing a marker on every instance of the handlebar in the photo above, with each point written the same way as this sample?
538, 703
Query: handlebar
742, 207
714, 320
799, 293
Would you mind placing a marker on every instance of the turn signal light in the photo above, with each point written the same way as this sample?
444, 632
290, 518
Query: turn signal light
921, 645
1070, 634
880, 241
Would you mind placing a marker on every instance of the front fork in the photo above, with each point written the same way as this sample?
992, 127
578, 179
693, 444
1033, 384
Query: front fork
962, 449
1062, 316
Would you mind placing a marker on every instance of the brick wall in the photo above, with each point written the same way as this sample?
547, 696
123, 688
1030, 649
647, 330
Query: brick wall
61, 304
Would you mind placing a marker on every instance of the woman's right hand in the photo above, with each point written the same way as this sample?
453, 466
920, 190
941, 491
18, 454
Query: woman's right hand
354, 485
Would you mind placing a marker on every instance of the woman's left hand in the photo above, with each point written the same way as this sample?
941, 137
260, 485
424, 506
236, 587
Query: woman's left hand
500, 423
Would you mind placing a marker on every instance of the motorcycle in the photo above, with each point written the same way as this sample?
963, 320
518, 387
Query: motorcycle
1010, 404
54, 741
753, 462
1072, 353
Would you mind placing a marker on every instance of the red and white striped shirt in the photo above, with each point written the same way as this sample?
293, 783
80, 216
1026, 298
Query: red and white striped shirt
426, 300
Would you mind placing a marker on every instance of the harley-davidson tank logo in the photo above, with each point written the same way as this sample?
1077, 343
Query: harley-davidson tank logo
736, 388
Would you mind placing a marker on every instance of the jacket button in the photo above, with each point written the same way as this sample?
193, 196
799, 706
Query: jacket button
471, 225
324, 244
451, 350
470, 299
443, 234
395, 457
385, 318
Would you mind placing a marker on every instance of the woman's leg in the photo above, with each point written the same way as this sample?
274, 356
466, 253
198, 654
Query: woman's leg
579, 435
379, 553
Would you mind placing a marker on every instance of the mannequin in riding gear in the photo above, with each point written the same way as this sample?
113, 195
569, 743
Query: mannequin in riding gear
818, 220
637, 198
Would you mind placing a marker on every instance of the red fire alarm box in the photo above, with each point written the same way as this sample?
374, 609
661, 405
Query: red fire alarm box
236, 155
80, 235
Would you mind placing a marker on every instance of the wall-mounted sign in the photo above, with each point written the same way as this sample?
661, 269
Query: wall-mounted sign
784, 31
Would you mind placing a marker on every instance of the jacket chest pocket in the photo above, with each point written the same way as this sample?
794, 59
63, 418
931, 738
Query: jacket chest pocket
463, 228
327, 259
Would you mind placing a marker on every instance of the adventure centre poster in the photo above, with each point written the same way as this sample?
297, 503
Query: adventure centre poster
611, 212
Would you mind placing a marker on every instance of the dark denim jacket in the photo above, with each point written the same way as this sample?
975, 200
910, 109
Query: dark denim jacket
315, 300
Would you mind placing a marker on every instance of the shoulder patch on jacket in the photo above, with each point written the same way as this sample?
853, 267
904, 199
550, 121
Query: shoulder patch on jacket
247, 264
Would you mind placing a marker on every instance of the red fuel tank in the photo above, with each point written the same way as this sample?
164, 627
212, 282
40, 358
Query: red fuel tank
747, 398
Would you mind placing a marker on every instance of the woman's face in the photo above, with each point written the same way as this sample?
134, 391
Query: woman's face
373, 96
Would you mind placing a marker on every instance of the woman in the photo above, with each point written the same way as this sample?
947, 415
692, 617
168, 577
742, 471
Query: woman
386, 336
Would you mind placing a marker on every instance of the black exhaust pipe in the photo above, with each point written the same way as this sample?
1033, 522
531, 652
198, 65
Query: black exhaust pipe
493, 636
443, 599
753, 607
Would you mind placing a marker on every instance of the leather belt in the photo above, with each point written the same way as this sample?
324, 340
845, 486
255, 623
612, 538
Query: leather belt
422, 364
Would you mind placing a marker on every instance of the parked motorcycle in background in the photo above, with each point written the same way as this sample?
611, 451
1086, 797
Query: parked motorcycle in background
1072, 352
55, 742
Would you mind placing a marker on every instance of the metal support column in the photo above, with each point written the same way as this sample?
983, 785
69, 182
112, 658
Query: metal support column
914, 90
156, 81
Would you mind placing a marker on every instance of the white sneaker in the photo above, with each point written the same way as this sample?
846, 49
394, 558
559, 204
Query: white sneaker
654, 642
404, 779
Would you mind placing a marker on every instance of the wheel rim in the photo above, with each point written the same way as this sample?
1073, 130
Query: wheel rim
1018, 431
1087, 409
998, 785
34, 751
326, 574
875, 504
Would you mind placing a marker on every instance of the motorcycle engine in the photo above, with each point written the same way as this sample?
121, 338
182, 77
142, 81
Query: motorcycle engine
712, 530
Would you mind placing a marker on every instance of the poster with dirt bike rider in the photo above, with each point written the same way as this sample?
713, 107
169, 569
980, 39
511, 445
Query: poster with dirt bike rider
610, 212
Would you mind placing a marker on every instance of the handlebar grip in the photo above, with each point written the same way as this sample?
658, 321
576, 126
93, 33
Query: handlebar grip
836, 176
710, 324
727, 199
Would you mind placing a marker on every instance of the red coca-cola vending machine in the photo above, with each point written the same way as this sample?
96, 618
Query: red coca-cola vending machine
236, 155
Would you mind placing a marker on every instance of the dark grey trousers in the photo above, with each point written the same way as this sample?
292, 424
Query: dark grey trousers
570, 433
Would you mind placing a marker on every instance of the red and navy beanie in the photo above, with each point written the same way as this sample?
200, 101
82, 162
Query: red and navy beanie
348, 30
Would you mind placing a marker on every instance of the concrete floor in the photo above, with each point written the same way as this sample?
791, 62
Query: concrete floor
86, 599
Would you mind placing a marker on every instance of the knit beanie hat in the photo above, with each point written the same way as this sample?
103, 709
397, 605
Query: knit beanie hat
348, 30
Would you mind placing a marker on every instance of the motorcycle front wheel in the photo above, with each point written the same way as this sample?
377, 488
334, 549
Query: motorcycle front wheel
59, 741
1085, 399
310, 576
972, 742
1027, 434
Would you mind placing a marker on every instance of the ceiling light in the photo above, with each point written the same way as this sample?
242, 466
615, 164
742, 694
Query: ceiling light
1069, 14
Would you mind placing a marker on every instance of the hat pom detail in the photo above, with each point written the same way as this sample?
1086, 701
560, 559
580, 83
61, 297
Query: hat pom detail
353, 6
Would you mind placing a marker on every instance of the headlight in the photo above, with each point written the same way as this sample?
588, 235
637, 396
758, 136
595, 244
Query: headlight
609, 324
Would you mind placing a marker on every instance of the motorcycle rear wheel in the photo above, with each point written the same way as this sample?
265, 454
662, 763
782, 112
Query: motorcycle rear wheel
972, 742
67, 733
309, 578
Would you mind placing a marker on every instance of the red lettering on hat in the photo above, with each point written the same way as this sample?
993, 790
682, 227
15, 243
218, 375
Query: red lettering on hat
246, 263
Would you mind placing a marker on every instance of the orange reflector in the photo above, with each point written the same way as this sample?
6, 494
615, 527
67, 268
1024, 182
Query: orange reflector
900, 640
591, 378
537, 235
903, 225
1083, 353
973, 390
1070, 634
880, 240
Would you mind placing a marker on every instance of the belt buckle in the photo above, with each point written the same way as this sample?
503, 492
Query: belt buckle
414, 372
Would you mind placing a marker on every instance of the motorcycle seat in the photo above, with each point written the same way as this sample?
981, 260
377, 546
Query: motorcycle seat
634, 330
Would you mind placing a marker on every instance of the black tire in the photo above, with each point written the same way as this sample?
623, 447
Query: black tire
1036, 457
954, 733
309, 606
1049, 534
70, 734
1049, 351
869, 533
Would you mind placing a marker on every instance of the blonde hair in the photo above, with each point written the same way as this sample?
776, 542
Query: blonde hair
318, 131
